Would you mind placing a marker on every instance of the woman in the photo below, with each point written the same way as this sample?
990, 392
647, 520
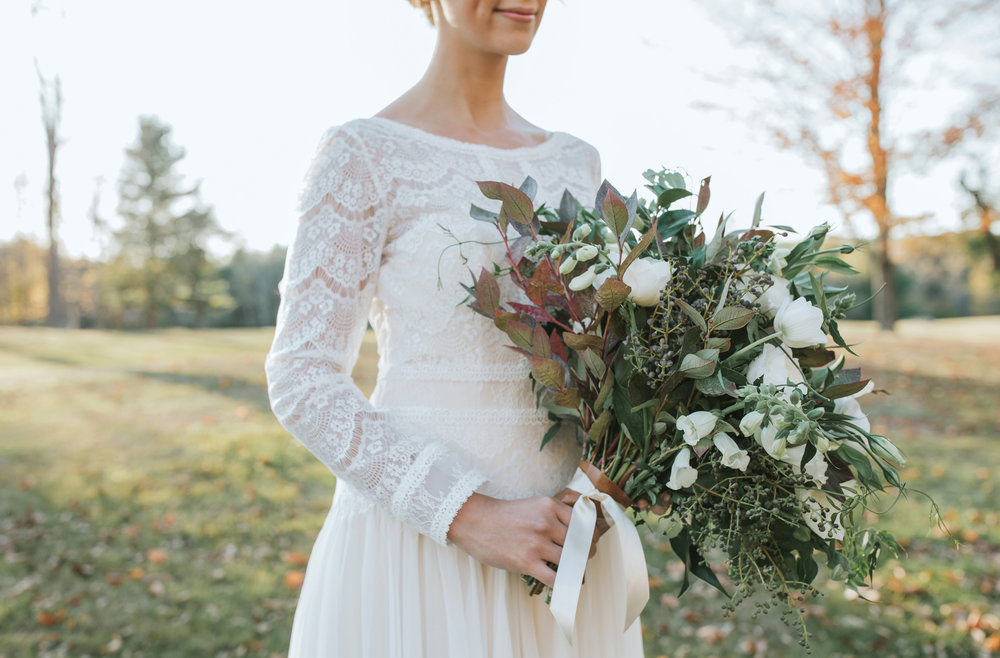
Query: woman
443, 497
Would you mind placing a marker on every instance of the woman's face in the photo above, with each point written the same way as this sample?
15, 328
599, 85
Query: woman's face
502, 27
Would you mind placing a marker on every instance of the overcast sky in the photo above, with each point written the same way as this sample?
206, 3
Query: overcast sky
250, 86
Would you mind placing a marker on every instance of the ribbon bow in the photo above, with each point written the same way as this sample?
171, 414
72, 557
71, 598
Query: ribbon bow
576, 551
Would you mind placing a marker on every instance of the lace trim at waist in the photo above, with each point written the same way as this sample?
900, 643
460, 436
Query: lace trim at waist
458, 372
458, 416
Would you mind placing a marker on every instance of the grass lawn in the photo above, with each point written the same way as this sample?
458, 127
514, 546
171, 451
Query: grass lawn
152, 506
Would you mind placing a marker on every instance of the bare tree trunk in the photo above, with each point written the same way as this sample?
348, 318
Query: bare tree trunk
51, 110
878, 202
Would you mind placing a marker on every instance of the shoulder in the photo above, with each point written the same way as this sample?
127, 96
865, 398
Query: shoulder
340, 166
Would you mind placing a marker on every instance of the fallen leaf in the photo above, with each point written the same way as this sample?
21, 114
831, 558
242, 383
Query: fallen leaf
294, 578
157, 555
50, 618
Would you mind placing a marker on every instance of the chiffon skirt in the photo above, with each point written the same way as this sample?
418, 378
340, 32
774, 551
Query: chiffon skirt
376, 588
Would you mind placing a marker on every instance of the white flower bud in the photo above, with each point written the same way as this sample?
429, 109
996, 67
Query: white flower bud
732, 456
583, 280
697, 426
586, 252
750, 424
567, 265
681, 473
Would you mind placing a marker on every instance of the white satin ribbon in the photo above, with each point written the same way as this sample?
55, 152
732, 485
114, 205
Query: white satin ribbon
576, 552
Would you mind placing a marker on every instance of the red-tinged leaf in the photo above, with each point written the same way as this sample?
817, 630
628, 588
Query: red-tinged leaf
544, 280
612, 293
644, 242
615, 212
540, 343
730, 318
556, 346
487, 292
581, 342
548, 372
764, 235
501, 318
520, 350
520, 333
516, 204
567, 397
704, 194
699, 240
531, 311
845, 390
490, 189
813, 357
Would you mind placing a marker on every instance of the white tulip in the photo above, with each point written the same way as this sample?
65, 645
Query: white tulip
750, 424
732, 456
777, 262
586, 252
774, 366
696, 426
775, 296
800, 324
583, 280
647, 277
567, 265
681, 473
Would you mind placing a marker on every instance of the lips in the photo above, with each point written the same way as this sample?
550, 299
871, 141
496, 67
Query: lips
519, 14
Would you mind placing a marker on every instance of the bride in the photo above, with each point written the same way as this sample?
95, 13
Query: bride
443, 497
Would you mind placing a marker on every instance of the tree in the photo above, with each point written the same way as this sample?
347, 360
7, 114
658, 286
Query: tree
983, 211
161, 247
51, 98
838, 78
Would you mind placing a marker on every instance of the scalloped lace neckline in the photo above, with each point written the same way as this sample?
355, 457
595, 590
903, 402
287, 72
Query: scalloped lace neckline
434, 137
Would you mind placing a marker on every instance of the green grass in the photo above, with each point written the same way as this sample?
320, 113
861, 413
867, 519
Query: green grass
151, 505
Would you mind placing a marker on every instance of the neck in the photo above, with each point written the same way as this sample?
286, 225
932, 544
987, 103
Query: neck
464, 85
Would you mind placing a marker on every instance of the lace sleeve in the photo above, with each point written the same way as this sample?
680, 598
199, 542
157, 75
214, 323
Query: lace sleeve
326, 291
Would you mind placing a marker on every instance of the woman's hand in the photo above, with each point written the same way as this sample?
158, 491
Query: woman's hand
521, 536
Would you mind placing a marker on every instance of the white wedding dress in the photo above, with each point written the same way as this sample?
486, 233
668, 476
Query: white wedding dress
452, 411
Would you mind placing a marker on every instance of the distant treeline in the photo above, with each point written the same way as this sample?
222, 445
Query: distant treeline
240, 291
944, 275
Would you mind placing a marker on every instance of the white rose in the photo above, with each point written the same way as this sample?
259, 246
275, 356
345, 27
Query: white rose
774, 367
800, 324
681, 473
696, 426
586, 252
732, 456
647, 277
583, 280
777, 262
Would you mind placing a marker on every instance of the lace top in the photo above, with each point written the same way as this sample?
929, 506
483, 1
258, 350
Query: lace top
381, 209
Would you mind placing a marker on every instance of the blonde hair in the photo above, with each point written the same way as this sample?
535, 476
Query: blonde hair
426, 6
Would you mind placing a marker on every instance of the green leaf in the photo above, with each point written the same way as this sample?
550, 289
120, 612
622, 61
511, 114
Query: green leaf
550, 434
721, 344
599, 426
697, 367
567, 397
695, 316
529, 187
602, 396
674, 179
844, 390
757, 207
540, 343
593, 362
483, 215
714, 247
673, 222
813, 357
612, 293
670, 195
569, 207
729, 318
834, 264
548, 372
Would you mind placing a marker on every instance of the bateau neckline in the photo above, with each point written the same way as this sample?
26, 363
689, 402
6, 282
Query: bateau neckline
434, 137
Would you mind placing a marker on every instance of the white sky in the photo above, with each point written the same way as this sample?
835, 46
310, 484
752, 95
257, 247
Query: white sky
250, 86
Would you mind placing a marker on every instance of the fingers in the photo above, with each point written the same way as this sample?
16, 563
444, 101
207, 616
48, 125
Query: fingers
551, 552
564, 512
544, 573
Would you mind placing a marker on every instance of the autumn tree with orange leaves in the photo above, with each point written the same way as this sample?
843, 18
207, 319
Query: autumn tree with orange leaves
871, 91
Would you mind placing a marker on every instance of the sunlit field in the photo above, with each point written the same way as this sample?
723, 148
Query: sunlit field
151, 505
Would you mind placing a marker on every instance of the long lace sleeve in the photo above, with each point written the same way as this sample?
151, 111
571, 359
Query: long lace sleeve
326, 291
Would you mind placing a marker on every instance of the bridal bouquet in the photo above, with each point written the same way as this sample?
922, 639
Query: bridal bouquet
702, 373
